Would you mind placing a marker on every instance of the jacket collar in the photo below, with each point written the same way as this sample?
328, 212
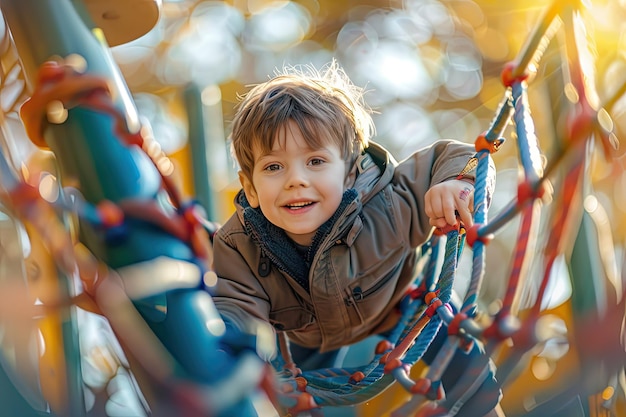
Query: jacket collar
369, 179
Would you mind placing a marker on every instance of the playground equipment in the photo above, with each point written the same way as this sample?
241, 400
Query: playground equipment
127, 218
122, 244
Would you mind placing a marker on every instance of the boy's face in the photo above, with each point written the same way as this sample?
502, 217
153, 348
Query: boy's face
297, 188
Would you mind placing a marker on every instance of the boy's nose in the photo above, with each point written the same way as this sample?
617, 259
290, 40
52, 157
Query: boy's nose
297, 178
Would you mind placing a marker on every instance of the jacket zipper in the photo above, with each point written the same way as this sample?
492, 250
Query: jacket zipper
358, 294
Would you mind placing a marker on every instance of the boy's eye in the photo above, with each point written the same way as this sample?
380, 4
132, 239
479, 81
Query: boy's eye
316, 161
272, 167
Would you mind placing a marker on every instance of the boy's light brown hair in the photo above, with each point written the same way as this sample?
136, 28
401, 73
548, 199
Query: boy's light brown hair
324, 104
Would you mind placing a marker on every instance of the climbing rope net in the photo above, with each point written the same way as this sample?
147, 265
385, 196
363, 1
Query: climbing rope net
426, 308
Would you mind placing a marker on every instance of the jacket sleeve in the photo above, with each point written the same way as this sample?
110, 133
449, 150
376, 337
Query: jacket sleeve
238, 295
441, 161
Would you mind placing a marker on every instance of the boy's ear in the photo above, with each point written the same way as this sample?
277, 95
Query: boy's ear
249, 190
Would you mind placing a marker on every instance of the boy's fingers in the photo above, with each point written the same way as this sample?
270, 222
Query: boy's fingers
428, 206
439, 223
436, 207
448, 209
450, 216
470, 212
466, 217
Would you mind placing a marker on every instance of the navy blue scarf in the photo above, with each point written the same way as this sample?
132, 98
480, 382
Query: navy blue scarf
279, 248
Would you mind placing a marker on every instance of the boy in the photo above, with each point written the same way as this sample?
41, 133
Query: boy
323, 242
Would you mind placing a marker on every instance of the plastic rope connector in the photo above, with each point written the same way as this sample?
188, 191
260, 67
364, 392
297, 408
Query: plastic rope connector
509, 76
484, 144
356, 377
527, 192
441, 231
109, 214
433, 302
472, 235
432, 308
454, 327
383, 346
392, 364
421, 386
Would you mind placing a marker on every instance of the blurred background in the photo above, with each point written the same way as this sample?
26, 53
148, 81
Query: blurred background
431, 69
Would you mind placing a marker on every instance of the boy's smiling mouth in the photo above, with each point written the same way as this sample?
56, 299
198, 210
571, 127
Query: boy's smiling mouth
299, 205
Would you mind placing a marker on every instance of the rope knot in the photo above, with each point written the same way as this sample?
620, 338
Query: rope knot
472, 235
483, 143
431, 298
109, 214
433, 390
440, 231
454, 328
509, 75
418, 292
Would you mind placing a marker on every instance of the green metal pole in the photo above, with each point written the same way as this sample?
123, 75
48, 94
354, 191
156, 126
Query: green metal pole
44, 30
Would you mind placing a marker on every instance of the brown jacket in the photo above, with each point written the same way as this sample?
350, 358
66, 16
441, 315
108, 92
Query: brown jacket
345, 287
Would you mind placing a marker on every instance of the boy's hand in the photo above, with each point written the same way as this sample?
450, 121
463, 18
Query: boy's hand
449, 199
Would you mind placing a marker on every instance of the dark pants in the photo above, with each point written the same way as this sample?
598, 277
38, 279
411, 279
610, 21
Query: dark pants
488, 394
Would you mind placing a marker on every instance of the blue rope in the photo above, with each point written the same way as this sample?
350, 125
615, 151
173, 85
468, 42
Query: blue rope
527, 144
501, 120
480, 217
